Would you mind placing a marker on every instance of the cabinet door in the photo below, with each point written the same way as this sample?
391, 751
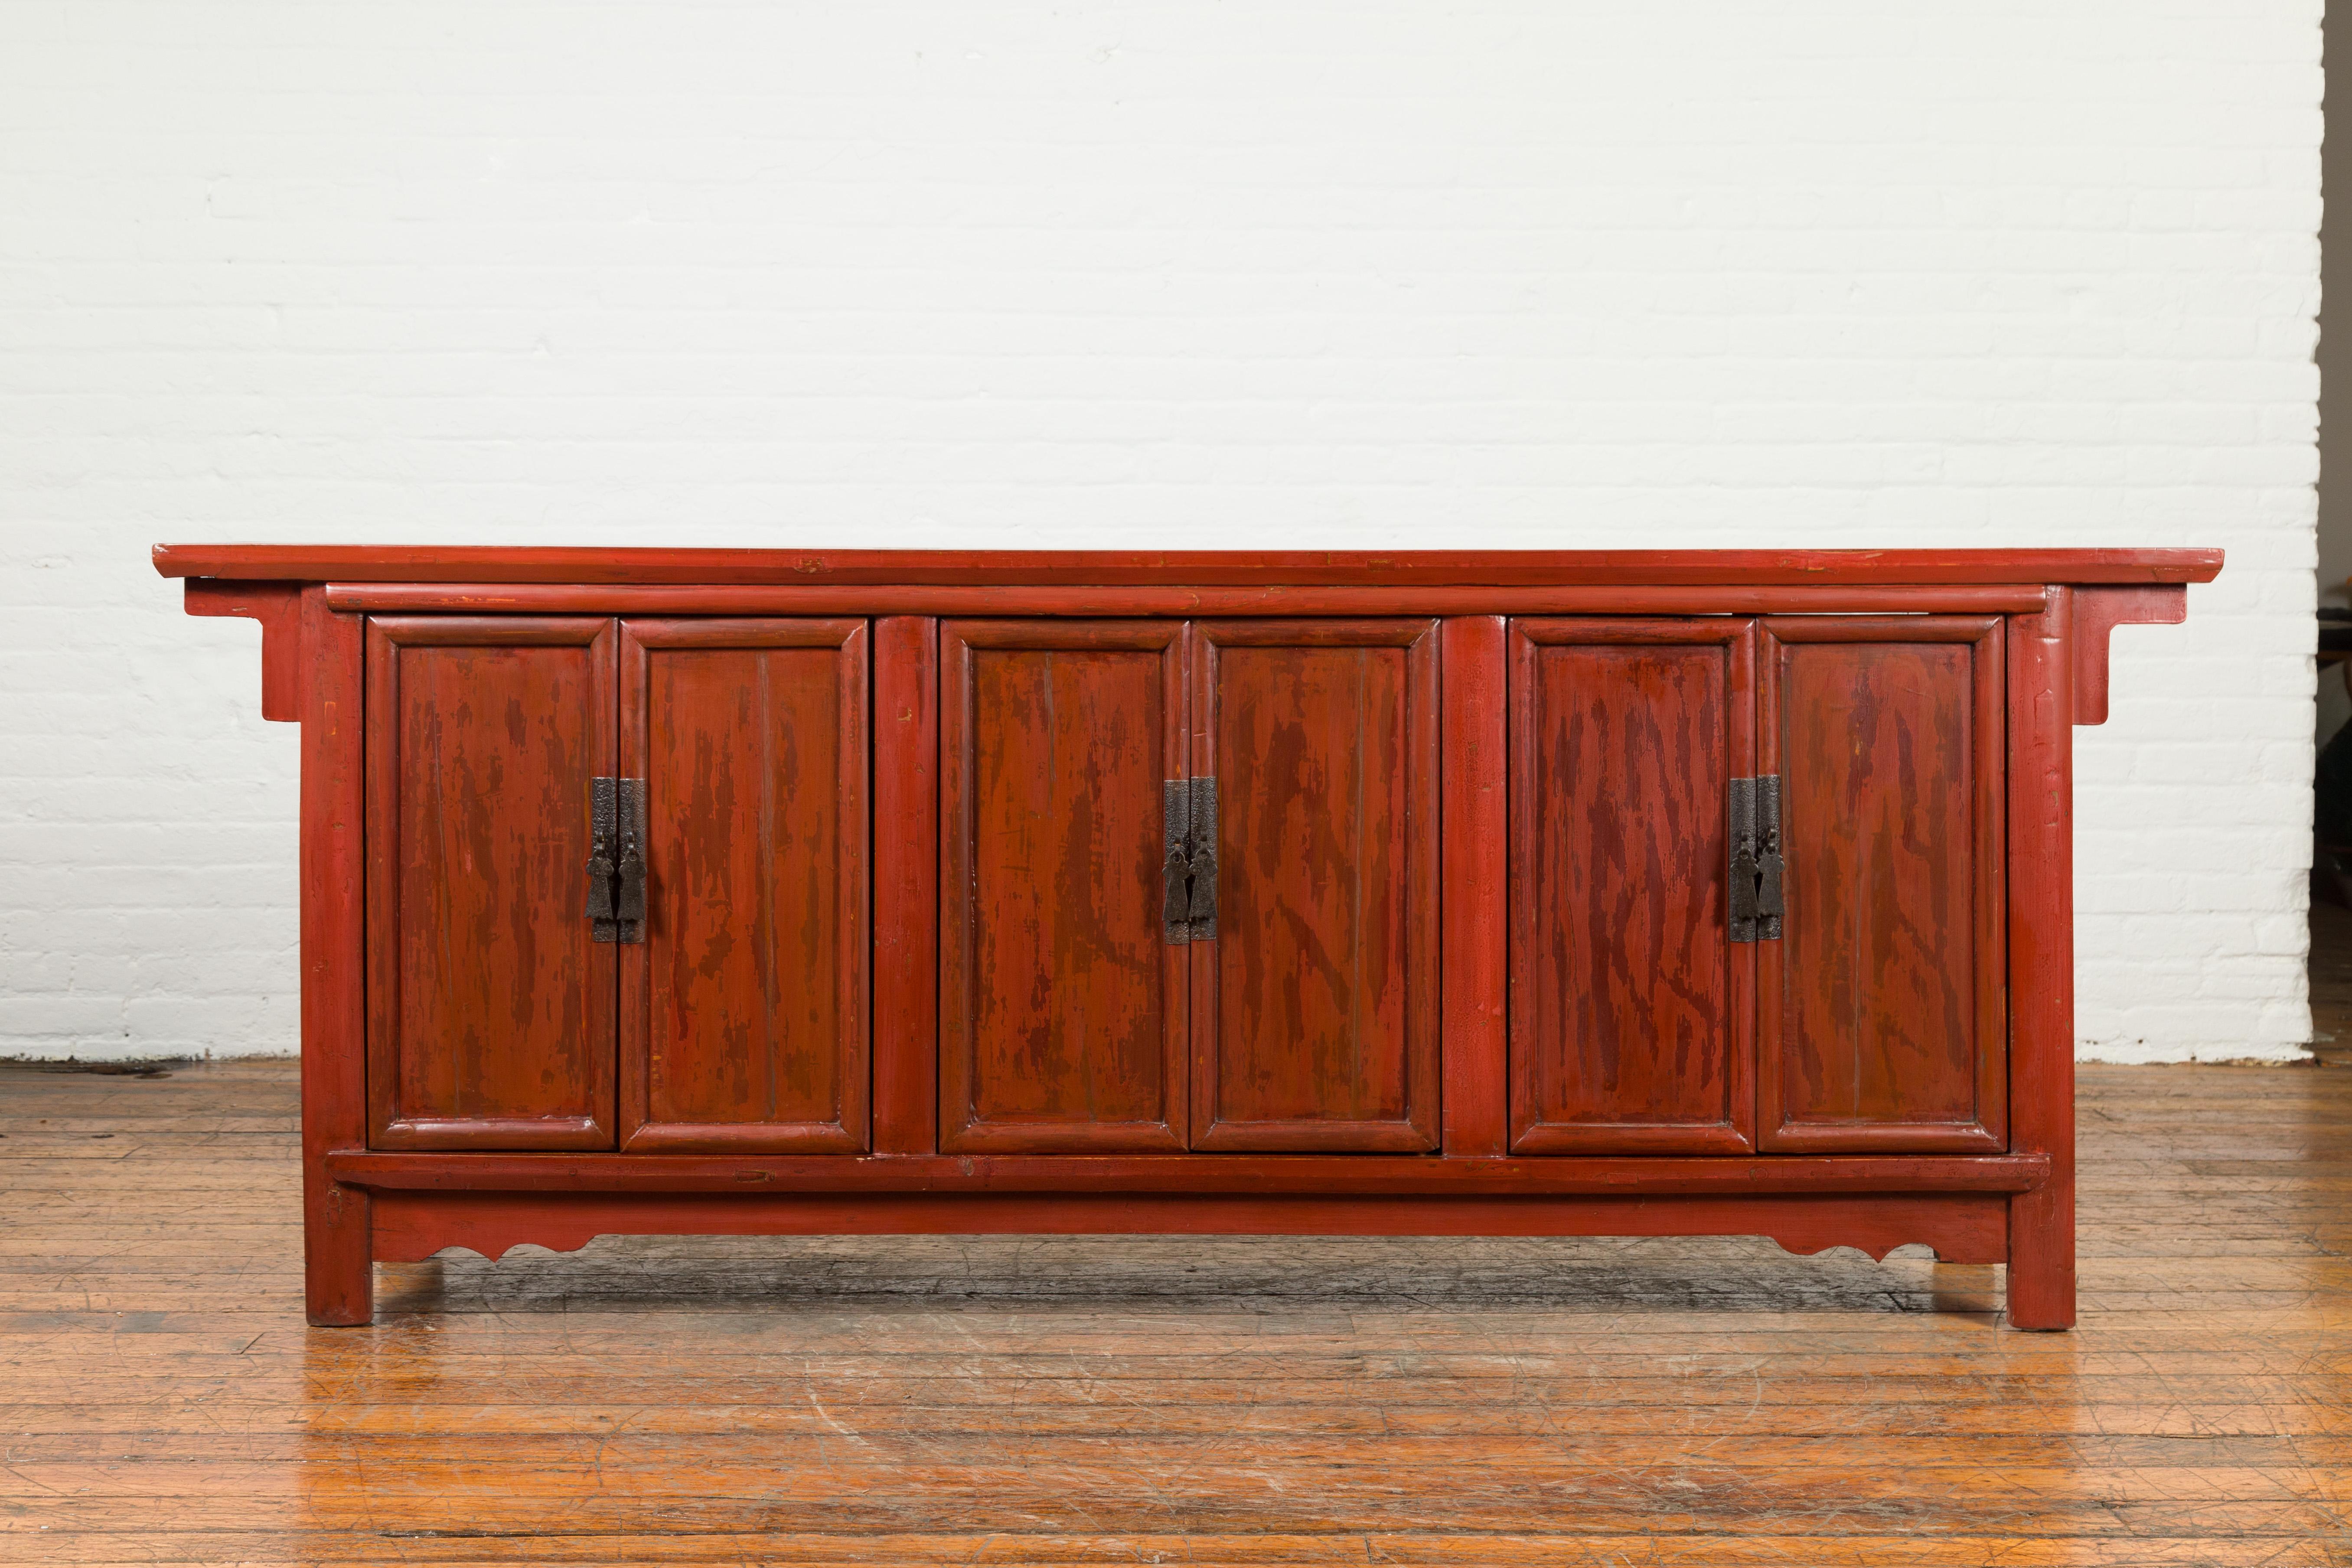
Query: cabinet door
743, 1008
1062, 1003
489, 1009
1881, 1010
1632, 1021
1315, 1005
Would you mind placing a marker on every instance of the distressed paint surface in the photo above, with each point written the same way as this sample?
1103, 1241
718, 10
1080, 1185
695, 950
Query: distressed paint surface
940, 1400
1887, 1031
1316, 1028
1630, 1028
1062, 1007
492, 1022
751, 1028
905, 784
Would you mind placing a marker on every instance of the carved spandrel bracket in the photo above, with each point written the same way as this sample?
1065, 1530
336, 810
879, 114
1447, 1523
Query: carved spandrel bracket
278, 607
2100, 610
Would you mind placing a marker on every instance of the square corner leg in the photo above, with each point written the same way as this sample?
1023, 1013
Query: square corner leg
2041, 1257
338, 1257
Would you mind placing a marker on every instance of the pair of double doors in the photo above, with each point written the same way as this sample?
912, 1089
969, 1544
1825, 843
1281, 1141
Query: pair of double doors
1863, 1007
1188, 886
731, 1014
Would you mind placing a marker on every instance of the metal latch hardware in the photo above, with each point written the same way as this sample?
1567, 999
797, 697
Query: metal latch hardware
1187, 910
1757, 872
617, 860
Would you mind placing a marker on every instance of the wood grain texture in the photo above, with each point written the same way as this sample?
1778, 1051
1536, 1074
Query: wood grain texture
1314, 1010
1632, 1020
490, 1013
1882, 1017
1197, 568
744, 1011
1473, 1050
1062, 1008
937, 1401
907, 885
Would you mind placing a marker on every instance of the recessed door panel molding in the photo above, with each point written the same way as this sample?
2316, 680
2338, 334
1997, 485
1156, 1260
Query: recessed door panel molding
1316, 1006
1883, 1020
1631, 1010
490, 1005
744, 1007
1062, 1001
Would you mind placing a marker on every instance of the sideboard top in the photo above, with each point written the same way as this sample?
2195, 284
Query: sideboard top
1198, 568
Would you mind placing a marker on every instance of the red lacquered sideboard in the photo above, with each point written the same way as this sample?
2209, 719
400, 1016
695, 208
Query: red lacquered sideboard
1459, 893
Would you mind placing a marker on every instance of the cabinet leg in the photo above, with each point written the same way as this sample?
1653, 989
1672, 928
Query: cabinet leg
2041, 1257
339, 1264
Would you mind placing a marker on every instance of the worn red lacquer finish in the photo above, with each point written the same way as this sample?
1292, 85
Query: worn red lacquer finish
2046, 667
1514, 569
1883, 1019
912, 959
1962, 1227
490, 1010
330, 695
1474, 1056
1151, 599
906, 885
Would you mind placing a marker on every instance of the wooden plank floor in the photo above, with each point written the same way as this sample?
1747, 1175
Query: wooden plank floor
2331, 983
1065, 1401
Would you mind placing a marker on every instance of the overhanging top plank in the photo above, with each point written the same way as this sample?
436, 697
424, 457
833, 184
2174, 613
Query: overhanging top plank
1206, 568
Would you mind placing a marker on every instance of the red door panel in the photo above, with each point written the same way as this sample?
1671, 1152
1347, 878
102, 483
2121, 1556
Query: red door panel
743, 1010
1062, 1003
1632, 1021
1882, 1010
489, 1010
1316, 1006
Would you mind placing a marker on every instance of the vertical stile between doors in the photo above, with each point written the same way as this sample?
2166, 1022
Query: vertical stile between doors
905, 857
1475, 876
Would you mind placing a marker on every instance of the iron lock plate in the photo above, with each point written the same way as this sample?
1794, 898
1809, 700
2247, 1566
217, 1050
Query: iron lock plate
616, 860
1189, 867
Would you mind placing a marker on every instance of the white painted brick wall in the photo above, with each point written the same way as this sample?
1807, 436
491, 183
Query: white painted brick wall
1494, 272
